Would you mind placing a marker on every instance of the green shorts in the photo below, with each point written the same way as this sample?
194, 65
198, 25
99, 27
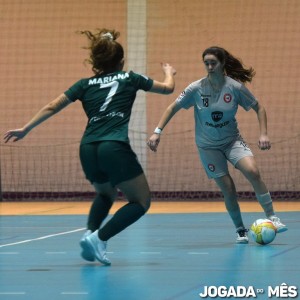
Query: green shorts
215, 161
109, 161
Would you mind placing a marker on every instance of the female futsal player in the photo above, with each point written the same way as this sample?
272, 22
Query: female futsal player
107, 159
215, 99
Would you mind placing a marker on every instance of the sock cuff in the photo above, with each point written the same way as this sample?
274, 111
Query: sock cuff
264, 198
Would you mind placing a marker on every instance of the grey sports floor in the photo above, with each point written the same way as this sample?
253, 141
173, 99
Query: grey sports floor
162, 256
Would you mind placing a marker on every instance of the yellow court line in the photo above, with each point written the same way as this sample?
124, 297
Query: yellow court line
77, 208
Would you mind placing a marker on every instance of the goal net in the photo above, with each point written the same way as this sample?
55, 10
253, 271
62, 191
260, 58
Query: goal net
41, 56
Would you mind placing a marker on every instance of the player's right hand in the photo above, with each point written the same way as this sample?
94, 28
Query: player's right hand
153, 142
17, 134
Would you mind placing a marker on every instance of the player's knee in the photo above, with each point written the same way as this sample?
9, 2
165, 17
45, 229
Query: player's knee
109, 198
253, 175
144, 203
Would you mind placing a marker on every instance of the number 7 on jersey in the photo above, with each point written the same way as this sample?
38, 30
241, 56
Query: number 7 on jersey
113, 89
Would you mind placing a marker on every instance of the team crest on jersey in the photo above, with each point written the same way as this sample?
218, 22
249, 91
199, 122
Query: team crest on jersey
211, 167
217, 116
227, 98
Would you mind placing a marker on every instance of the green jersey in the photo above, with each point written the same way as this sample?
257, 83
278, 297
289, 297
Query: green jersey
107, 101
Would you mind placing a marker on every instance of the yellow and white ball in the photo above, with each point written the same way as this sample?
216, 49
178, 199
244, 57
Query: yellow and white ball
263, 231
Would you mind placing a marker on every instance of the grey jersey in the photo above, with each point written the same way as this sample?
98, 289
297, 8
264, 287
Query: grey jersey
214, 112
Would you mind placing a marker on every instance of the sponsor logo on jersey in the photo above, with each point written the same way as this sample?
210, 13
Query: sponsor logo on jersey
227, 98
217, 116
109, 115
108, 79
220, 125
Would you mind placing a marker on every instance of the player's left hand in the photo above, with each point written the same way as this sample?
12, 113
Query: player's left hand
167, 68
264, 143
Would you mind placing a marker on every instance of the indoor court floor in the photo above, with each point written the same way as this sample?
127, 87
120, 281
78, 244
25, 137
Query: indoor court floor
176, 251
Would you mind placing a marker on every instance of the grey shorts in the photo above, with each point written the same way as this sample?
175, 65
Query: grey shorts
215, 161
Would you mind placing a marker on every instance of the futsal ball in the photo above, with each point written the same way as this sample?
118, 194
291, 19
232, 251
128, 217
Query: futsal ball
263, 231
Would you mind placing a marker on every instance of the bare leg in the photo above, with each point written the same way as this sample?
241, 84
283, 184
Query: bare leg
227, 187
248, 167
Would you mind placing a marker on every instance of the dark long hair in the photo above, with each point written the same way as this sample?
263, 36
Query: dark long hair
105, 52
233, 67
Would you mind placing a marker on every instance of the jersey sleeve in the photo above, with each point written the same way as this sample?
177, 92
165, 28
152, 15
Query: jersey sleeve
141, 82
246, 98
75, 91
186, 98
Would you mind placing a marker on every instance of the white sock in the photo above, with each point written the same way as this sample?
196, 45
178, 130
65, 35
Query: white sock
266, 203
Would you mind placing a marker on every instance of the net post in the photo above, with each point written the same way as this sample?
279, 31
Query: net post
137, 61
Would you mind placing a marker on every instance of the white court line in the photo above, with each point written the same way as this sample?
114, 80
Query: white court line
195, 253
12, 293
150, 252
9, 253
42, 237
55, 253
74, 293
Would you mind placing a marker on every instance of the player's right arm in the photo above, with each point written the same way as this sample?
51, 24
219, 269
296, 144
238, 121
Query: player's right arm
45, 113
167, 86
168, 114
185, 100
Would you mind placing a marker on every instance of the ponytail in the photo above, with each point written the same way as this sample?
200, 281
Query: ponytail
105, 52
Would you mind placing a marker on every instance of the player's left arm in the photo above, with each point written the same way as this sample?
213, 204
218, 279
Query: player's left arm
264, 141
168, 84
42, 115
